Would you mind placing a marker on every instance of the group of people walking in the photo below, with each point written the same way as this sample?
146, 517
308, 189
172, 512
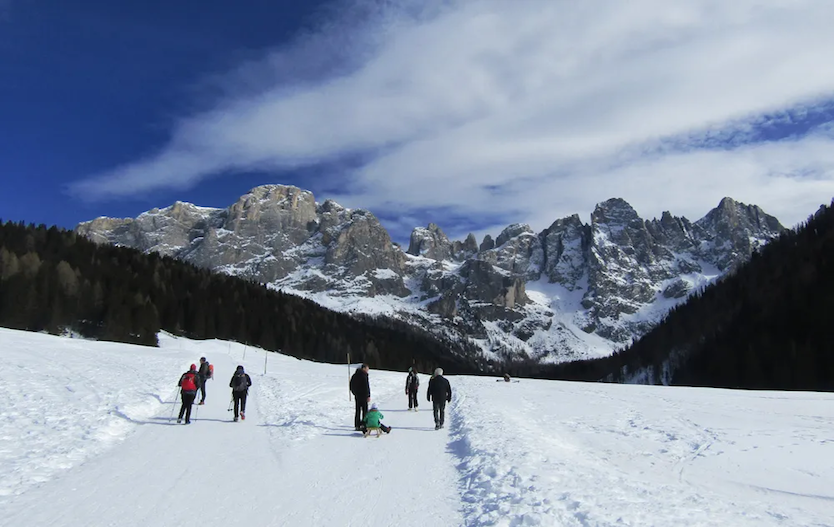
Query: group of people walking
439, 392
194, 380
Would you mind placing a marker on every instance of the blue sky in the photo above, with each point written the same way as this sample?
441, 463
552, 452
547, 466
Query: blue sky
469, 114
89, 85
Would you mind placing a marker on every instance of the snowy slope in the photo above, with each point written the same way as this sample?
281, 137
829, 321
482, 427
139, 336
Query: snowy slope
86, 439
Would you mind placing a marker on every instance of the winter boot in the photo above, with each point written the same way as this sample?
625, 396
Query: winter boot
179, 420
242, 416
235, 419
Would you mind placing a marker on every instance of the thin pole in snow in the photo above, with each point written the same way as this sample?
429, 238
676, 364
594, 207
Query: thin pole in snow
174, 405
266, 354
244, 352
348, 365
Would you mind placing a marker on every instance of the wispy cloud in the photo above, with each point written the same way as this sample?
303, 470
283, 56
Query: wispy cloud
527, 109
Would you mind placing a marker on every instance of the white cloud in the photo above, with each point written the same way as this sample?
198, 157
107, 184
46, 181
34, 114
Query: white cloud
560, 103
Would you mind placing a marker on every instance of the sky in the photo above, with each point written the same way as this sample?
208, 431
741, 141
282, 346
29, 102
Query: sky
469, 114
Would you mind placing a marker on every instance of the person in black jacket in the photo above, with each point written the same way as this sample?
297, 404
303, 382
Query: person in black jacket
439, 392
360, 387
205, 373
412, 384
240, 384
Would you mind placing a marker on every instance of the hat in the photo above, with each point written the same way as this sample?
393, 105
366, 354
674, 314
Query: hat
239, 368
410, 369
193, 366
438, 371
374, 406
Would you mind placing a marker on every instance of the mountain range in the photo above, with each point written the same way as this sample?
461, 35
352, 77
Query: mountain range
574, 290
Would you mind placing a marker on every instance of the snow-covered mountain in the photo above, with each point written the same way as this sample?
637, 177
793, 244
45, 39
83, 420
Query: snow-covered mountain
574, 290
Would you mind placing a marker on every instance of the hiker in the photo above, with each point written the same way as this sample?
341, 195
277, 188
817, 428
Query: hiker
412, 384
205, 373
374, 420
360, 387
240, 384
439, 392
189, 383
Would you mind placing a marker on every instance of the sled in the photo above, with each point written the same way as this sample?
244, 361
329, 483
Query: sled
367, 432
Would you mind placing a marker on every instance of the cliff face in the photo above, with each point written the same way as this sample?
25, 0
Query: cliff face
570, 291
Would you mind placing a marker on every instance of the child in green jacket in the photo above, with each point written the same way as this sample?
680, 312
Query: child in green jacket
374, 419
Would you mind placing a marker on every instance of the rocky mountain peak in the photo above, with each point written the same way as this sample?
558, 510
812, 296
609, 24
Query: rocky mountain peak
565, 243
430, 242
512, 231
734, 230
615, 211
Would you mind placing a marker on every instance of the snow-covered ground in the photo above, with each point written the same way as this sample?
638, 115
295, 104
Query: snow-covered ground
86, 439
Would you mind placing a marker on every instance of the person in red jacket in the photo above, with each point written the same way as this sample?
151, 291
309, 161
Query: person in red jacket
189, 384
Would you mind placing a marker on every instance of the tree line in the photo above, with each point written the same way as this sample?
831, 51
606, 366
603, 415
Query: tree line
54, 280
765, 326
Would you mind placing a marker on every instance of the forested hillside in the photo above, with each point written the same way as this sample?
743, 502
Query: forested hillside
54, 280
766, 326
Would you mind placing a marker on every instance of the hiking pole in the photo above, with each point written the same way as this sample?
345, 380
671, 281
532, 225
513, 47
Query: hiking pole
174, 404
231, 402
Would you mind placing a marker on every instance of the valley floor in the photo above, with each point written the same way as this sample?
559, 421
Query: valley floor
86, 438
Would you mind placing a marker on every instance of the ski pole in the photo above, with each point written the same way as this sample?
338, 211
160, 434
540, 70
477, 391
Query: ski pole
231, 402
174, 404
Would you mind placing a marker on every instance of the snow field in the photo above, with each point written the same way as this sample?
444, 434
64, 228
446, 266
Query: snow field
588, 454
65, 400
86, 439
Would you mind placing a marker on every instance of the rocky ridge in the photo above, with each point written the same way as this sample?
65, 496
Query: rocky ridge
573, 290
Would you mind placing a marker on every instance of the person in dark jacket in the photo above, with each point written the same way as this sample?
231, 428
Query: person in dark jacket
189, 383
412, 384
360, 387
439, 392
240, 384
205, 373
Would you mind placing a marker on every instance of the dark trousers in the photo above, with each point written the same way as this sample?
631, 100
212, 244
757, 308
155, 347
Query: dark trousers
412, 399
240, 401
439, 412
202, 389
361, 411
187, 401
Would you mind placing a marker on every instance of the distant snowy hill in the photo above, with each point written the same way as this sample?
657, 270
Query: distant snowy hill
572, 291
87, 439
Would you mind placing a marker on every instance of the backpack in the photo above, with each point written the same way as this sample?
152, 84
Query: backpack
240, 384
210, 372
413, 382
188, 383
